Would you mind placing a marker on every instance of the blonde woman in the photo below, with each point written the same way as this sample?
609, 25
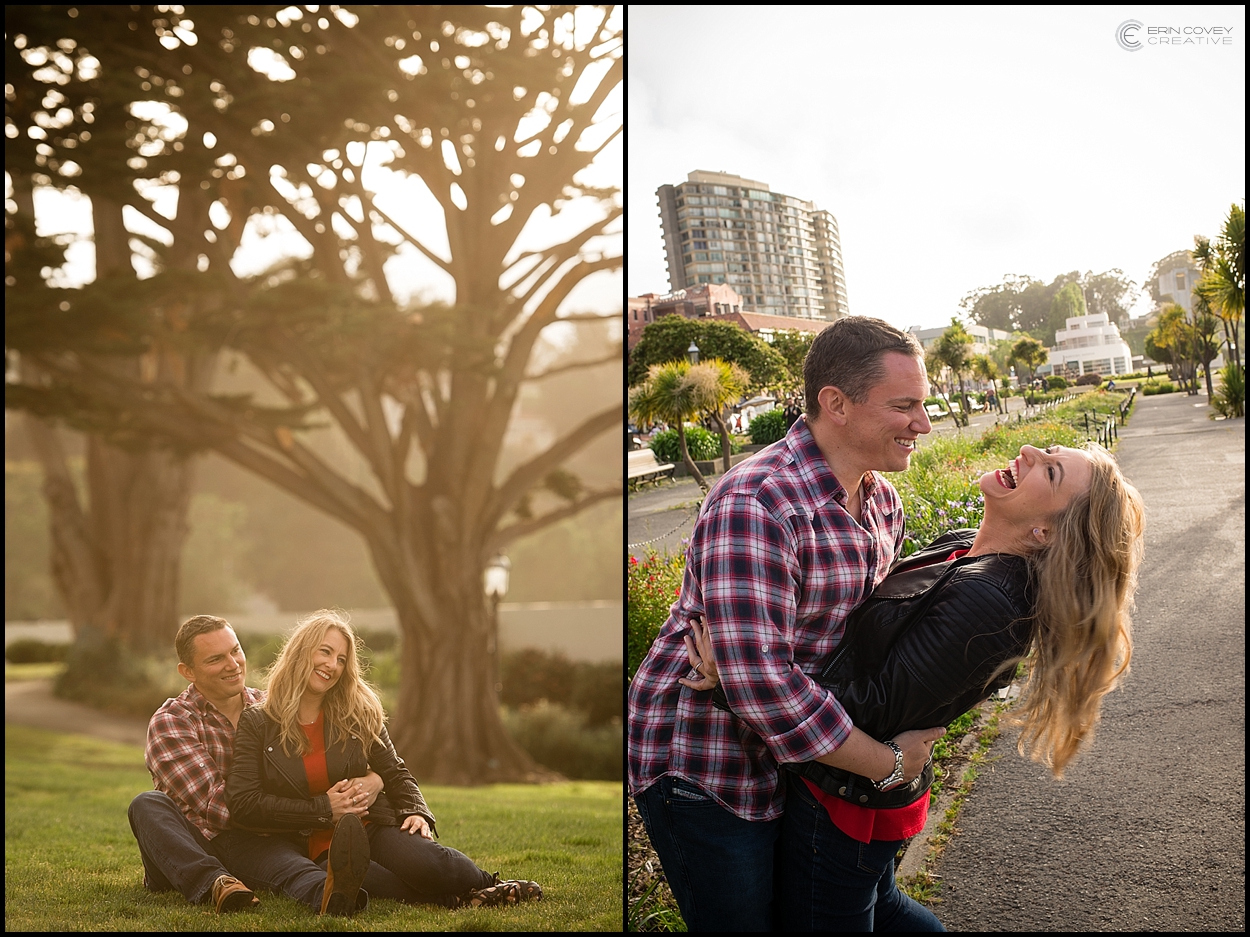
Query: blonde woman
1048, 578
299, 758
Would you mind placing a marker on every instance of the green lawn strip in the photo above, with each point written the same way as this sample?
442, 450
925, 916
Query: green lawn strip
71, 862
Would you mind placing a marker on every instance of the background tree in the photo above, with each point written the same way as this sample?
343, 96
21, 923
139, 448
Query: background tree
793, 347
668, 338
671, 395
1111, 294
720, 386
1029, 354
1205, 336
1068, 303
938, 373
1223, 283
954, 349
499, 115
1000, 306
71, 80
984, 369
1171, 342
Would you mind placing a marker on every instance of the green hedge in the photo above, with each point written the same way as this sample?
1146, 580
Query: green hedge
768, 427
701, 443
34, 651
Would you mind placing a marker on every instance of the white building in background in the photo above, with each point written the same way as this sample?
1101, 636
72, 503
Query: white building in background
1089, 345
983, 337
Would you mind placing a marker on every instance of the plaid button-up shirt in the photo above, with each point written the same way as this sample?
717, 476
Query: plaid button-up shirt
189, 753
774, 566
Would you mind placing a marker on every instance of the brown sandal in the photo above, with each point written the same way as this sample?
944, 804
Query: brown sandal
501, 892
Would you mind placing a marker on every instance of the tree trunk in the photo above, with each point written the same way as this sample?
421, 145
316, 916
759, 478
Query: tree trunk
446, 723
725, 446
689, 462
1206, 370
115, 560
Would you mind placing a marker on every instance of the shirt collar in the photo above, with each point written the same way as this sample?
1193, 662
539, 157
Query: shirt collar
813, 468
251, 696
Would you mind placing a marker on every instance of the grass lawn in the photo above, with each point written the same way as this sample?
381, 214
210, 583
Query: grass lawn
71, 862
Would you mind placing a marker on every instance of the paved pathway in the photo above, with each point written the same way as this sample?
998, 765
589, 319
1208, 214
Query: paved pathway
1147, 831
31, 703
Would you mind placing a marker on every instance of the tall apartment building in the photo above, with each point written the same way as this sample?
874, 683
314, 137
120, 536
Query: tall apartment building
781, 254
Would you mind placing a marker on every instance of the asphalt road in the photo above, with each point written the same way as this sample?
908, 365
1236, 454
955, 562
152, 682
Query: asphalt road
1147, 830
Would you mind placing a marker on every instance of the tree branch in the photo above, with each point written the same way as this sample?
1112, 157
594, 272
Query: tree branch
610, 358
525, 476
506, 535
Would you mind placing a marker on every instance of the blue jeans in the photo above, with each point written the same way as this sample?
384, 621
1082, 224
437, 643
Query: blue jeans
827, 881
719, 866
177, 856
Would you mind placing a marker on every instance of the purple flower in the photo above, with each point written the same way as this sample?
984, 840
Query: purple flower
941, 513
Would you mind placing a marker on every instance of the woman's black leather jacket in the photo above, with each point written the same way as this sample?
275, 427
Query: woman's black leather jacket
267, 789
893, 674
916, 656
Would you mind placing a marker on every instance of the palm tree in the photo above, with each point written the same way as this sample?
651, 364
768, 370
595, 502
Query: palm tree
984, 369
1223, 283
1029, 354
718, 385
670, 395
937, 372
954, 349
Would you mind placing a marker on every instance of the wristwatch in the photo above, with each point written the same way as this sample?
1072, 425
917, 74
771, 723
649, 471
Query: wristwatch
896, 778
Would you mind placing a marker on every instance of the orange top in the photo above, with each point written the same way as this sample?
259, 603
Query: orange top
318, 780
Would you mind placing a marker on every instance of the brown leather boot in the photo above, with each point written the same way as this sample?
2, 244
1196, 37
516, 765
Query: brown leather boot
229, 894
346, 867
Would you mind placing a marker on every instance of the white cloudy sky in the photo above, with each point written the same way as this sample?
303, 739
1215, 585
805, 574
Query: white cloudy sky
953, 144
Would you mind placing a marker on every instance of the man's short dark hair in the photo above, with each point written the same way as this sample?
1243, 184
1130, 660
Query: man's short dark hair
848, 355
192, 628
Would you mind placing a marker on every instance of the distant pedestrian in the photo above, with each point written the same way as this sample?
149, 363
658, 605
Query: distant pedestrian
792, 412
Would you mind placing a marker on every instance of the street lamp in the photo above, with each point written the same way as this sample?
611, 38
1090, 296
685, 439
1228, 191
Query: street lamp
693, 353
495, 582
495, 578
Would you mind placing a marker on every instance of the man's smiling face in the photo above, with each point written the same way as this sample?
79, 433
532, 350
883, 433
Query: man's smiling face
883, 429
220, 669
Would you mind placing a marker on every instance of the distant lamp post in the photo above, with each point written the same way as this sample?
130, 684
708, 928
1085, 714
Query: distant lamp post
693, 353
496, 577
495, 582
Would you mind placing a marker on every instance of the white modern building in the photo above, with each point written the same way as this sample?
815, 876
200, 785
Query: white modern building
1089, 345
983, 337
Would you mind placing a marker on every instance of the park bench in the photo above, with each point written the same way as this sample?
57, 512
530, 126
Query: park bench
644, 467
934, 410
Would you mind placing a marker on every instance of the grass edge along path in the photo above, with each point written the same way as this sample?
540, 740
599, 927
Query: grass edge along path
938, 494
71, 862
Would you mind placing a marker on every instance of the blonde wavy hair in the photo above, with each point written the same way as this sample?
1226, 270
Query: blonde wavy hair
351, 706
1085, 577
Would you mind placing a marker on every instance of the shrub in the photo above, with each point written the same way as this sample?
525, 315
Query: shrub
1090, 378
654, 584
1152, 387
1230, 397
34, 651
768, 427
559, 738
1056, 382
598, 691
701, 443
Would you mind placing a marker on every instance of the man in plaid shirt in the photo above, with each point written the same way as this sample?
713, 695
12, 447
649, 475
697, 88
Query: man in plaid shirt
787, 544
183, 827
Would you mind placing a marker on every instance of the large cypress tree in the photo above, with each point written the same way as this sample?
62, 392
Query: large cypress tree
499, 113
